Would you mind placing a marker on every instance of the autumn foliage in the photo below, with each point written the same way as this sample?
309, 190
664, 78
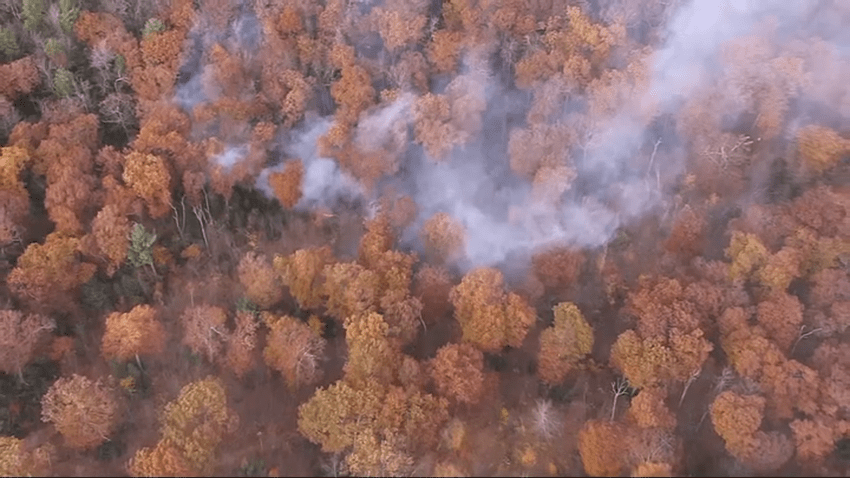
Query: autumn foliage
489, 317
601, 447
374, 205
19, 336
137, 332
16, 459
287, 183
301, 272
458, 372
565, 343
294, 349
85, 412
193, 425
259, 279
45, 270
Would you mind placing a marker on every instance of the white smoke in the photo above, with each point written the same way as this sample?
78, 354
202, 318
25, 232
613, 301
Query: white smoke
613, 186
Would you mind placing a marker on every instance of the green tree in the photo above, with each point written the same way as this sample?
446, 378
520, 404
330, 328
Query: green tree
33, 13
63, 83
141, 246
68, 13
8, 42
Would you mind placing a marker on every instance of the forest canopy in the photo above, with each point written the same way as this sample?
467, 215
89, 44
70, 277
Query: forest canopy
424, 237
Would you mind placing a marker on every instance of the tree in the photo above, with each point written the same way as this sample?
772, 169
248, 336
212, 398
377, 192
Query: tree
648, 409
687, 235
84, 412
162, 460
111, 233
815, 438
47, 273
140, 250
21, 78
787, 384
601, 447
33, 14
668, 343
458, 372
378, 239
780, 269
565, 343
259, 280
820, 147
287, 183
353, 92
444, 50
334, 416
490, 318
294, 349
400, 23
241, 343
19, 336
444, 238
780, 316
148, 176
372, 455
301, 271
137, 332
16, 459
772, 450
736, 418
747, 253
656, 359
14, 198
204, 330
558, 268
193, 425
351, 289
371, 355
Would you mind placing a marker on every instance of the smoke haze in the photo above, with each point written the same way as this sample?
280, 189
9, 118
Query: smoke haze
622, 161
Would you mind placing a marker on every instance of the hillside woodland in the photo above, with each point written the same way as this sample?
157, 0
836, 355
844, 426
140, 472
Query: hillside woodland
424, 237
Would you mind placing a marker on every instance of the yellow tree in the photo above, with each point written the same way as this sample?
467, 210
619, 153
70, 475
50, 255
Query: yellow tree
84, 412
148, 176
14, 198
565, 343
489, 317
602, 448
736, 418
47, 273
443, 237
371, 355
17, 459
134, 333
193, 425
351, 289
334, 416
301, 271
820, 147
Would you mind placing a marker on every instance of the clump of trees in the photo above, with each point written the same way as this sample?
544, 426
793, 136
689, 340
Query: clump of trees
193, 426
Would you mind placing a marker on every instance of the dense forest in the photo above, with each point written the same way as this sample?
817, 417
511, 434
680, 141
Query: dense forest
425, 237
